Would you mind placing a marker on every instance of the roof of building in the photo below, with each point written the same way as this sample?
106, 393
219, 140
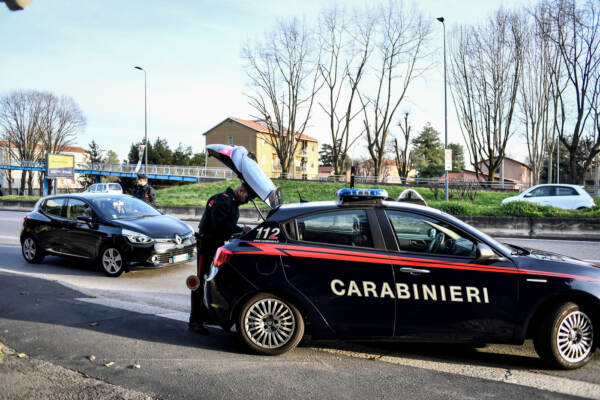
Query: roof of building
258, 126
67, 149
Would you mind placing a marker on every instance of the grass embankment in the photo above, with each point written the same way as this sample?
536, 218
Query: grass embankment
486, 202
13, 197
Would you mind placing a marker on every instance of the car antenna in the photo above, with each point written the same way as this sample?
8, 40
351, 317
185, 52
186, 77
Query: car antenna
300, 196
258, 209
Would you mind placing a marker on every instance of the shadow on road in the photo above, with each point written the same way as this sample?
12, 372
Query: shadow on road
26, 301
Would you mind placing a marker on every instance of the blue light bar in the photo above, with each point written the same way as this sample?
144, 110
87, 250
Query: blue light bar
362, 194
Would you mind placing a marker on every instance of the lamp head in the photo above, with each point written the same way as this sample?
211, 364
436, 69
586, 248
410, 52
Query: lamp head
441, 19
140, 68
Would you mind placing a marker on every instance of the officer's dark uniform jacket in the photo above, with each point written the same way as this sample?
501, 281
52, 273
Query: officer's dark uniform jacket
146, 193
218, 223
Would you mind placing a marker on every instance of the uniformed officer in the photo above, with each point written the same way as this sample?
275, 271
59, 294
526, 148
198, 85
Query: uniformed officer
143, 191
218, 223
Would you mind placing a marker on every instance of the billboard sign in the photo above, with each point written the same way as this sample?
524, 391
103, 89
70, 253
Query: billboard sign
60, 166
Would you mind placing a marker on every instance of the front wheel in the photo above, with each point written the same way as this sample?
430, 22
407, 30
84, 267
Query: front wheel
111, 261
565, 338
270, 325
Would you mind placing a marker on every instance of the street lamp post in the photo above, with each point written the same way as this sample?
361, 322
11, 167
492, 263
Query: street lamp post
441, 19
145, 122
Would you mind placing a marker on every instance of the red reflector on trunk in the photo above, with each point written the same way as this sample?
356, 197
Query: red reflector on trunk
223, 255
192, 282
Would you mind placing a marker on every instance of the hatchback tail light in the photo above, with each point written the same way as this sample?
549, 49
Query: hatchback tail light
223, 255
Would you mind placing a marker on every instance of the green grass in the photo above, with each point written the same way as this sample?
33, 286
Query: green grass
486, 202
13, 197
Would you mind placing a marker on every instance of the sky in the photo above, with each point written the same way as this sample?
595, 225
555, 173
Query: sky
190, 50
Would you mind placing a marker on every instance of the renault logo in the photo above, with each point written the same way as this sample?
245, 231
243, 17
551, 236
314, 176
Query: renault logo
178, 239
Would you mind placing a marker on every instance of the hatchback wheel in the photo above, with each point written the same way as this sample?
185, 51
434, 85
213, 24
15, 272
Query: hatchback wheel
566, 337
270, 325
111, 261
31, 250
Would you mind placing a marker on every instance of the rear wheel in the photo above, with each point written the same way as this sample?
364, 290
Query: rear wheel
565, 338
31, 250
270, 325
111, 261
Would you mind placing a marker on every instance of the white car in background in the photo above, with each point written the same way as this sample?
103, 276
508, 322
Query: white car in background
105, 188
571, 197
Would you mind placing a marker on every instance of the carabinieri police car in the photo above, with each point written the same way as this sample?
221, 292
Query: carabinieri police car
365, 267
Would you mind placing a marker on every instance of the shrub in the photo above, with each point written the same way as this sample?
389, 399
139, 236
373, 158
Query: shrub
454, 208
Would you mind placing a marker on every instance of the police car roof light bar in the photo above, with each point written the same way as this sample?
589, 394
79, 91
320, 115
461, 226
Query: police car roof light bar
361, 194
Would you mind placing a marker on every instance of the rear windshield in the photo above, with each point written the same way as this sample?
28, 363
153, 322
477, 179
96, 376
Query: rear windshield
123, 207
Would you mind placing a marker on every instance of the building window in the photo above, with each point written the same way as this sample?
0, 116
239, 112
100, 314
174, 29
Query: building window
230, 140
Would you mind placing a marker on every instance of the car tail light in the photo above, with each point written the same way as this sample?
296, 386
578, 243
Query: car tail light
223, 255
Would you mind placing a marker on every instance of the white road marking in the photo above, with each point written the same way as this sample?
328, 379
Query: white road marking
548, 240
517, 377
11, 238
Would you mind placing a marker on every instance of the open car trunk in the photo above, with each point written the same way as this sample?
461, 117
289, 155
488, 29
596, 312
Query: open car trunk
239, 161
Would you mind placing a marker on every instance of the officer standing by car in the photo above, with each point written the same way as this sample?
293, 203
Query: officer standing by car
218, 223
143, 191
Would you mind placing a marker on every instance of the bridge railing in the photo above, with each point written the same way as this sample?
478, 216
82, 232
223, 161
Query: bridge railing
178, 170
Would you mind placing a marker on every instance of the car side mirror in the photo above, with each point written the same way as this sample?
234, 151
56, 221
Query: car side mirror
84, 218
485, 252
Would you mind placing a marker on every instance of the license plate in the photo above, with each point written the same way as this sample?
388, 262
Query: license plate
181, 257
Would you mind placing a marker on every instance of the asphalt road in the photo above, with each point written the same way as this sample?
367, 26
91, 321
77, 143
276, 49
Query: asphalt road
62, 311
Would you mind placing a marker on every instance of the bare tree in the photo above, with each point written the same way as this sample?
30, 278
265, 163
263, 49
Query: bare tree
346, 45
485, 71
36, 123
19, 123
541, 68
404, 158
576, 32
402, 36
283, 75
61, 120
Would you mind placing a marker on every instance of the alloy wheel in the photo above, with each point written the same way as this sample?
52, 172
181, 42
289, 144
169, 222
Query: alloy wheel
269, 323
29, 249
112, 261
575, 337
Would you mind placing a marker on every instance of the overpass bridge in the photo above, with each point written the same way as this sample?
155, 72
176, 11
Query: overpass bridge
181, 173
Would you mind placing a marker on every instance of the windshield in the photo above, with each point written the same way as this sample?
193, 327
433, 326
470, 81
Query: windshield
123, 207
485, 237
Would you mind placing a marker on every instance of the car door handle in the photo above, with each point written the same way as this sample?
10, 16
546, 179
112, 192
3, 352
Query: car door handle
414, 271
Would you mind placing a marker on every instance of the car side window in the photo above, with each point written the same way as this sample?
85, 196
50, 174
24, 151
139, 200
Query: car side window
566, 191
55, 207
76, 207
417, 233
347, 228
543, 191
114, 186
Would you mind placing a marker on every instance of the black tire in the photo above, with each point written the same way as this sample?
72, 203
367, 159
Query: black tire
565, 338
111, 261
31, 250
270, 325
